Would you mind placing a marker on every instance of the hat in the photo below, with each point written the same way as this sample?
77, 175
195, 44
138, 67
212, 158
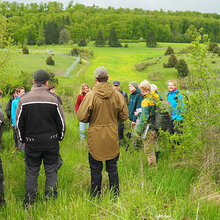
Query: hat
101, 72
133, 83
41, 76
153, 87
116, 83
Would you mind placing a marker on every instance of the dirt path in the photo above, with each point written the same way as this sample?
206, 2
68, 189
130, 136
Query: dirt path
84, 67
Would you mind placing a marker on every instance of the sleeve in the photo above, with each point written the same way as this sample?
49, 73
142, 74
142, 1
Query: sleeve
61, 123
145, 114
13, 112
78, 102
85, 109
19, 122
123, 111
126, 98
138, 105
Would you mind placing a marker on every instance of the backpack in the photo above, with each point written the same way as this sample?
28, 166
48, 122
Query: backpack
163, 115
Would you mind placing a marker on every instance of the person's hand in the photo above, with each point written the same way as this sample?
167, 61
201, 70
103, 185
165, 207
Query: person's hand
133, 124
136, 113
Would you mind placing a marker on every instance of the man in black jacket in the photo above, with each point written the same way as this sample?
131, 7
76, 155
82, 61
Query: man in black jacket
116, 85
40, 125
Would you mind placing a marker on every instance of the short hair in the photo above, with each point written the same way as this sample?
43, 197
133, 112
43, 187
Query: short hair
173, 81
103, 79
145, 85
82, 87
50, 87
18, 89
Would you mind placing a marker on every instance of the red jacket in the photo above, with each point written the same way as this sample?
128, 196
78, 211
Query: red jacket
79, 100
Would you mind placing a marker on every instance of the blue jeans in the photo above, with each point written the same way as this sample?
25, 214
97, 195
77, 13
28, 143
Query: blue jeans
82, 128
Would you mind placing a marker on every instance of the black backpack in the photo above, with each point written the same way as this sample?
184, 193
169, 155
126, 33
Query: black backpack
163, 115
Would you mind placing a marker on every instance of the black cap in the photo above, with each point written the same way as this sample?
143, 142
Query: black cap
41, 76
116, 83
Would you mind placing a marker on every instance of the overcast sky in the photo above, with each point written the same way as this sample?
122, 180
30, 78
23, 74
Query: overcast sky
210, 6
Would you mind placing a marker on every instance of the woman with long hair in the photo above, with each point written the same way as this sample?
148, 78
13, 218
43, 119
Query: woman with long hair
84, 89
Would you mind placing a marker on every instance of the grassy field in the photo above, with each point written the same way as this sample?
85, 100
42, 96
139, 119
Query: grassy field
173, 190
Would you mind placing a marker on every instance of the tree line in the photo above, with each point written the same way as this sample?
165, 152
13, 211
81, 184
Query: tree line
51, 23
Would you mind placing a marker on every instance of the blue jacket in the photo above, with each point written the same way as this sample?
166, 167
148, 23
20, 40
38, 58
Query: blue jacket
176, 99
13, 110
134, 103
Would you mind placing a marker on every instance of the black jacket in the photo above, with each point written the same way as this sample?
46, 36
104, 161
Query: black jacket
40, 119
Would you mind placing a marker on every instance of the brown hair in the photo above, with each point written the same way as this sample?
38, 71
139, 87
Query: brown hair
50, 87
18, 89
103, 79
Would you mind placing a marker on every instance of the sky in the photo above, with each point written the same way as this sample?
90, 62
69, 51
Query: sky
204, 6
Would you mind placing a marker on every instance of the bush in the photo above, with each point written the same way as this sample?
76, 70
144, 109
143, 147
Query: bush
82, 42
126, 46
82, 52
25, 50
212, 46
50, 61
171, 62
219, 52
169, 51
216, 49
40, 42
53, 80
182, 68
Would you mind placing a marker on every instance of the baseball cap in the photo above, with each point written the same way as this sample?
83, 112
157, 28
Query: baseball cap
116, 83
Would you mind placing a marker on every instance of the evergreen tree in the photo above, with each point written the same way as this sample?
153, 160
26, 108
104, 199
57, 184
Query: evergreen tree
182, 68
151, 39
169, 51
51, 33
30, 38
113, 40
100, 42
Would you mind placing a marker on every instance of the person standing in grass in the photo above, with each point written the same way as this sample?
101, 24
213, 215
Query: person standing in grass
176, 99
84, 89
40, 125
2, 200
134, 105
103, 107
8, 105
19, 92
116, 85
146, 125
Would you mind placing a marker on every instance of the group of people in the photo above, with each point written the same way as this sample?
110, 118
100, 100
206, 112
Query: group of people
39, 124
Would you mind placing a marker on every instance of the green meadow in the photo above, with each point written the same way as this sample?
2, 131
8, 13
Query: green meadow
173, 190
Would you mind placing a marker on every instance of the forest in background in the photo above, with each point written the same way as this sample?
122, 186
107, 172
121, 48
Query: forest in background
51, 23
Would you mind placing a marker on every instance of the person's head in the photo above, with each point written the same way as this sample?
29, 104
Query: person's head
172, 85
20, 91
153, 87
84, 88
101, 74
51, 88
145, 87
116, 85
132, 86
41, 77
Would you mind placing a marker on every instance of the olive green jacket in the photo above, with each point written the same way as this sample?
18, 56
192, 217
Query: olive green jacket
103, 107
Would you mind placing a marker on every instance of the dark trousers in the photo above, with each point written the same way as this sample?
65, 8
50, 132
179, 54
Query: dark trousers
52, 162
96, 175
2, 201
121, 130
175, 128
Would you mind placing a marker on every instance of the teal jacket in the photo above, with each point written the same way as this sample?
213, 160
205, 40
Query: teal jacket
134, 103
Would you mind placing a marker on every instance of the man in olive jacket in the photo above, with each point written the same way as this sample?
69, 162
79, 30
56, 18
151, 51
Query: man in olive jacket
103, 107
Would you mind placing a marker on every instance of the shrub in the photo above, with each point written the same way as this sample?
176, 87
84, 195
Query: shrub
74, 51
40, 42
182, 68
171, 62
216, 49
82, 42
53, 80
50, 61
219, 52
169, 51
212, 46
25, 50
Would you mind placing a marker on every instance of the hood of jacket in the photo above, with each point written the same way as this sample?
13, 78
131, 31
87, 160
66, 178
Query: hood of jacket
103, 90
